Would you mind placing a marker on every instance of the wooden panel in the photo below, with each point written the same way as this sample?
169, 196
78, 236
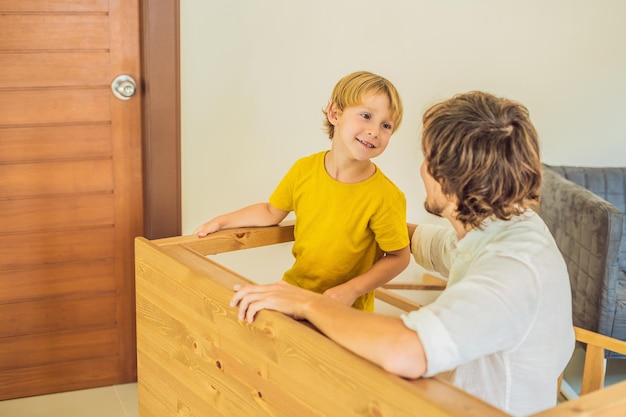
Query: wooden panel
27, 107
56, 280
196, 358
54, 315
52, 178
54, 69
36, 32
234, 239
21, 382
28, 144
609, 402
214, 364
38, 350
63, 212
55, 247
54, 5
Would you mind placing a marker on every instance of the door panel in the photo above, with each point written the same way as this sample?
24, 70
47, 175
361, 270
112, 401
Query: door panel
16, 382
36, 32
57, 247
40, 143
63, 281
60, 69
56, 316
81, 211
36, 106
54, 5
50, 178
70, 194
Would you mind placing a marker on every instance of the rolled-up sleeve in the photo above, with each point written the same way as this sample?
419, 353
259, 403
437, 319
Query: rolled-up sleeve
432, 247
441, 351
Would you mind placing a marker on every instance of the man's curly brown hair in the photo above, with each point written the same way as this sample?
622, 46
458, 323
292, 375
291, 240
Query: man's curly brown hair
484, 151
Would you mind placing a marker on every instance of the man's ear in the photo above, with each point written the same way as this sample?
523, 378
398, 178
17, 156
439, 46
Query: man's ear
332, 113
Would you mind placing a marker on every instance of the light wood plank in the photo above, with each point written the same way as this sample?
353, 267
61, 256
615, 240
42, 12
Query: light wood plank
396, 300
609, 402
233, 239
183, 315
189, 336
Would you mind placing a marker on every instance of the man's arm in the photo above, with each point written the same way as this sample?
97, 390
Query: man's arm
384, 340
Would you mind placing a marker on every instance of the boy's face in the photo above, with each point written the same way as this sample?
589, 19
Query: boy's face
364, 130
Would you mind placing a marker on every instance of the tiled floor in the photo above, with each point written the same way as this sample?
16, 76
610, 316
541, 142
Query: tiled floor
115, 401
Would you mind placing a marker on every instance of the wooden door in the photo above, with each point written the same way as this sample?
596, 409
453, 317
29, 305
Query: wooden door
70, 194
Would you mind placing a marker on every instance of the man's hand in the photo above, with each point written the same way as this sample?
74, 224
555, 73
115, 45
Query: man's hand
280, 296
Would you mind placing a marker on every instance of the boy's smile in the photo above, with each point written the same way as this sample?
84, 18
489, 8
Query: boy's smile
364, 143
362, 131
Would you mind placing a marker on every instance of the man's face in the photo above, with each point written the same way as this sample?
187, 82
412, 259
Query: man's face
435, 200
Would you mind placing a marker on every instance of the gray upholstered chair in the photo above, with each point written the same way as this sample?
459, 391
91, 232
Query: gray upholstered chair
584, 209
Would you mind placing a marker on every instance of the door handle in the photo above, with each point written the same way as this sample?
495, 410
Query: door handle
124, 87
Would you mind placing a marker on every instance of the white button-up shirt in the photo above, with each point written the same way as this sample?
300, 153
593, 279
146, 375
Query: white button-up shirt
503, 325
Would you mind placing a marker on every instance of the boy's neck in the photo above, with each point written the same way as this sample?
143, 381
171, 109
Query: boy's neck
348, 171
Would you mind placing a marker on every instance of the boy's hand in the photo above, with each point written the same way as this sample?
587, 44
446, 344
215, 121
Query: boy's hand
209, 227
342, 294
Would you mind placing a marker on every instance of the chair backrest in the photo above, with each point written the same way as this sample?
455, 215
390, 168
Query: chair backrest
609, 184
588, 231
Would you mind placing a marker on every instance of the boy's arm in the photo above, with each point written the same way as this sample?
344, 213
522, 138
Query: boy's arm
260, 214
387, 267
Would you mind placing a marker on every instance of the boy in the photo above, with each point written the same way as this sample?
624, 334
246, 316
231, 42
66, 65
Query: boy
350, 231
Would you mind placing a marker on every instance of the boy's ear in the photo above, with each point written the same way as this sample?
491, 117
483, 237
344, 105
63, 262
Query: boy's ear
332, 113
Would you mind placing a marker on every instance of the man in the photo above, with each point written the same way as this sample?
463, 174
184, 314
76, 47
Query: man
503, 325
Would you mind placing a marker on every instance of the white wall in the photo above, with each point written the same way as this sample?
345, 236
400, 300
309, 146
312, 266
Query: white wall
256, 74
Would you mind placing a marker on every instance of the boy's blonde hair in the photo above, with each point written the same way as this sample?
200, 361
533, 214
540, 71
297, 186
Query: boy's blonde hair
351, 89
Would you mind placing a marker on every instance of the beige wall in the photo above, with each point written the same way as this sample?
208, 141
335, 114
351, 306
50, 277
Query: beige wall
256, 74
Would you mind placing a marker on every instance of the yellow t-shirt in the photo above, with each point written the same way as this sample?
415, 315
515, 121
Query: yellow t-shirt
341, 229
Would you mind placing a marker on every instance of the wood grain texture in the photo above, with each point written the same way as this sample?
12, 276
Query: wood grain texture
54, 5
195, 358
37, 32
54, 69
71, 194
49, 142
216, 365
